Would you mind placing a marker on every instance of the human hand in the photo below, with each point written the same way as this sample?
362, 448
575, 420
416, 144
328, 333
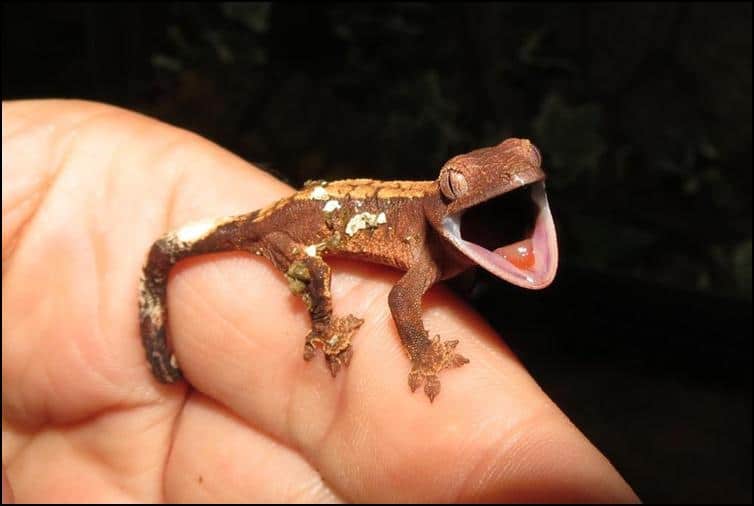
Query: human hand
86, 189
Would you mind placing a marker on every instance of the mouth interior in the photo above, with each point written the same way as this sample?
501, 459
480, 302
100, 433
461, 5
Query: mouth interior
511, 235
503, 223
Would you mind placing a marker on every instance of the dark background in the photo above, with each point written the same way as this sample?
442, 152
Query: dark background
642, 113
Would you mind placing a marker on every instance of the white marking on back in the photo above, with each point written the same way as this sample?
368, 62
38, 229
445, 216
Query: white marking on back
195, 231
319, 193
364, 220
331, 206
311, 250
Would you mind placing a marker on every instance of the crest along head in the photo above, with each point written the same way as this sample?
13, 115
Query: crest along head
465, 180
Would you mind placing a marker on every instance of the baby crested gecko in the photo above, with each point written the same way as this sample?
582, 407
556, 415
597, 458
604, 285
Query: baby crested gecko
415, 226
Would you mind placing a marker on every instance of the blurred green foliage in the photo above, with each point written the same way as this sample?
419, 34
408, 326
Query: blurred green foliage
642, 110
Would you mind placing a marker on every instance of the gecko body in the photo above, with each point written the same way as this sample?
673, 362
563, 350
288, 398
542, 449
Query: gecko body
424, 228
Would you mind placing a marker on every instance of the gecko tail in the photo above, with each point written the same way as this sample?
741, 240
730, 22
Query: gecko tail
153, 315
198, 238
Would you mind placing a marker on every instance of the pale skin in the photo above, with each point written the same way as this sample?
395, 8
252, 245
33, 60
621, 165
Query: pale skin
86, 189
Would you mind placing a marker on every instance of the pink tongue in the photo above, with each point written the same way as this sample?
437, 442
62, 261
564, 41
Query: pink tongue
520, 254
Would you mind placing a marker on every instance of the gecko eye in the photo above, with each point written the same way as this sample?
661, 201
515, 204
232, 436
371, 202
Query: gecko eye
453, 184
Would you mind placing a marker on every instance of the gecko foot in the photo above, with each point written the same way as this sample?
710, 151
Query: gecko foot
334, 341
436, 357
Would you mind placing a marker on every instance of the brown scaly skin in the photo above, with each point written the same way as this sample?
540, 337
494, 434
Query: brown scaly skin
393, 223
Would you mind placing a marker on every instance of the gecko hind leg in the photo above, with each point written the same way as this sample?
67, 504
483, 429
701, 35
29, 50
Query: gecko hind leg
309, 277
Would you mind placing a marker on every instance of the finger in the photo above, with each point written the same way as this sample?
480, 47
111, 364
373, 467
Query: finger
491, 434
116, 456
221, 459
86, 189
75, 176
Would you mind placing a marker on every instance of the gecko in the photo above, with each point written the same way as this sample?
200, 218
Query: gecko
429, 229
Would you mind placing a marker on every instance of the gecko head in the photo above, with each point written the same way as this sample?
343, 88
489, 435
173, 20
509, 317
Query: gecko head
496, 212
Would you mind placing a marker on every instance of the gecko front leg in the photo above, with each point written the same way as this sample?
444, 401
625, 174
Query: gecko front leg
309, 276
428, 356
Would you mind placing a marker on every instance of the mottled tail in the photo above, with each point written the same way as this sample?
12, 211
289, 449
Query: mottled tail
214, 236
153, 314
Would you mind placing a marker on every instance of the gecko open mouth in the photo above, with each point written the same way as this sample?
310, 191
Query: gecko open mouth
512, 236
